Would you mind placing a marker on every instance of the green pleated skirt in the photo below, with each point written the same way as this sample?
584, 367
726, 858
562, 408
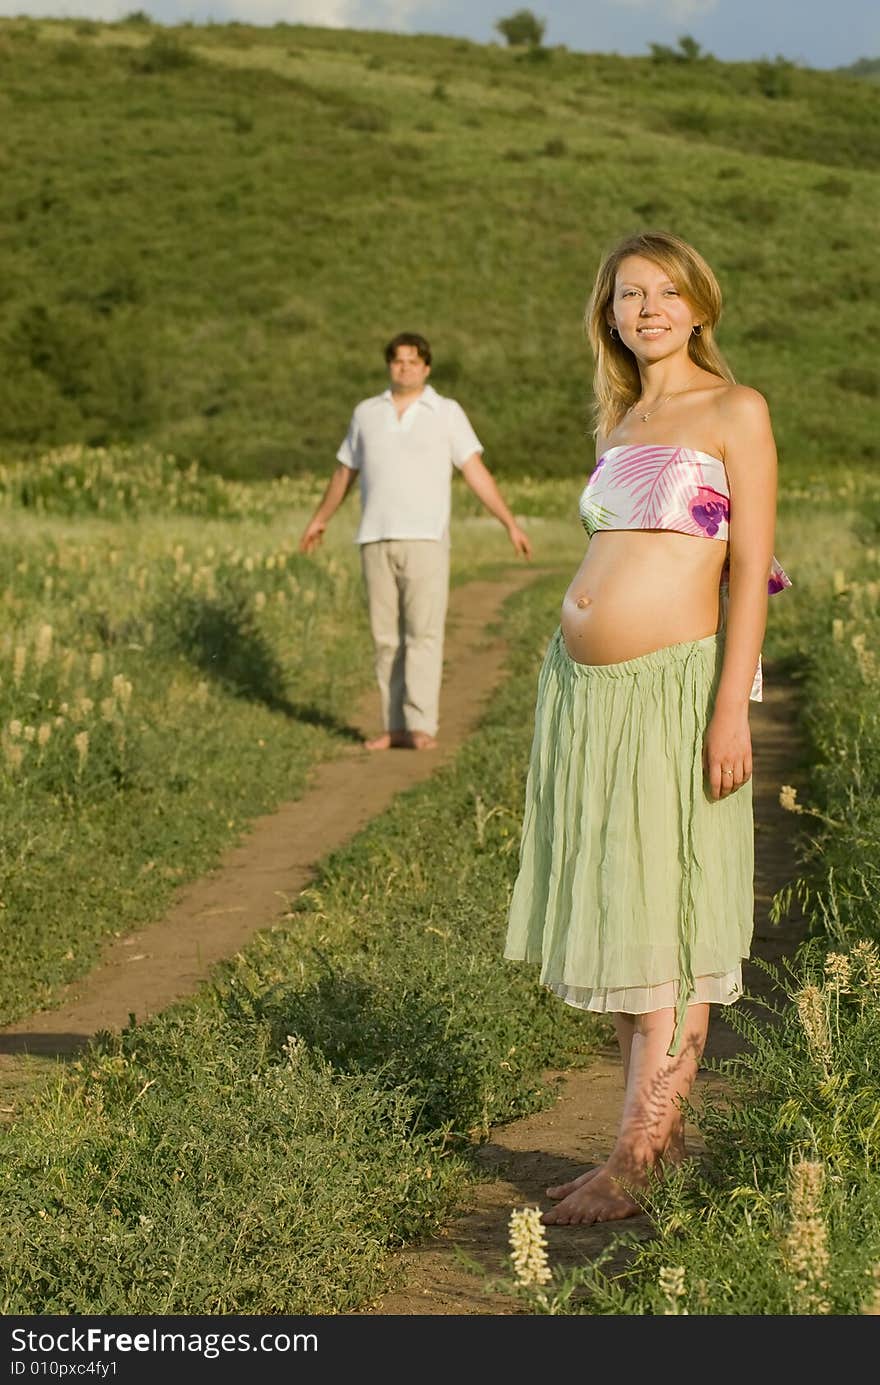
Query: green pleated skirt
635, 888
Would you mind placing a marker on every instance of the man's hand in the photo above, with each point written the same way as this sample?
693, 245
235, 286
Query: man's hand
312, 536
519, 540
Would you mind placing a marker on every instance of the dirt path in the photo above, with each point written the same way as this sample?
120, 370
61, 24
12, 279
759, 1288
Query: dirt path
521, 1159
213, 918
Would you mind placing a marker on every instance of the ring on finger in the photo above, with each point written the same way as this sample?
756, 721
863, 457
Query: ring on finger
727, 771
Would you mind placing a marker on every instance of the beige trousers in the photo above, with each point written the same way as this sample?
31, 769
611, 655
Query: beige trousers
407, 583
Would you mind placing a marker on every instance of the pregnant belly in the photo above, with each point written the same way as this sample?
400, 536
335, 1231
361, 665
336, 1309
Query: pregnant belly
641, 592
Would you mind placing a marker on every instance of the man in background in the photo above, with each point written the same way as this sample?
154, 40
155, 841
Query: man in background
403, 444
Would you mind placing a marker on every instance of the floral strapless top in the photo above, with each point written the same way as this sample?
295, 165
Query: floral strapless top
659, 486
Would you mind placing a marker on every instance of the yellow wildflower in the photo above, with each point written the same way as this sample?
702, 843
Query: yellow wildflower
13, 754
43, 645
671, 1282
805, 1247
122, 689
528, 1247
839, 971
810, 1003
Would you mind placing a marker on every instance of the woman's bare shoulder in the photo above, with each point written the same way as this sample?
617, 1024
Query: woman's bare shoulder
742, 404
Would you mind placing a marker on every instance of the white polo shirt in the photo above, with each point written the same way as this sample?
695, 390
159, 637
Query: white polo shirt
405, 464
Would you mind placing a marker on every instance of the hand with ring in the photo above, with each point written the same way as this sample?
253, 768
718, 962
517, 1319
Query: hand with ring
727, 752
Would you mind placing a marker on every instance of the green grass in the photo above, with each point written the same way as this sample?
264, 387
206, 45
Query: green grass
264, 1147
209, 254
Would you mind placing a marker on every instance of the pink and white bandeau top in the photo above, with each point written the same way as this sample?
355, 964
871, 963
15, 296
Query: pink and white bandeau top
659, 486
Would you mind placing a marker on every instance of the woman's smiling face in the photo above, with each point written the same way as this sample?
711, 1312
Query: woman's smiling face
649, 312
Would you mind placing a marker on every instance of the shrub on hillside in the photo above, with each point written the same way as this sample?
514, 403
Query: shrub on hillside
522, 28
164, 53
688, 51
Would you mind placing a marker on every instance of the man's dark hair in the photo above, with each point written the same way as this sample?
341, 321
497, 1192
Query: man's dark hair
408, 339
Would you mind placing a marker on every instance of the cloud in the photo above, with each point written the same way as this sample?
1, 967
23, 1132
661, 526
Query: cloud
328, 14
676, 10
109, 10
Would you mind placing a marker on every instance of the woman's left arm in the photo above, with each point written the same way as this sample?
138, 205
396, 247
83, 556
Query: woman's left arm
750, 459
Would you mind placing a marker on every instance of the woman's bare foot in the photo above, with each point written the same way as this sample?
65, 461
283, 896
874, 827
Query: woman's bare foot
563, 1189
597, 1196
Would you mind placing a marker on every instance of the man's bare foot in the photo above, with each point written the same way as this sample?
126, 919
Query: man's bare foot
420, 740
389, 740
602, 1198
563, 1189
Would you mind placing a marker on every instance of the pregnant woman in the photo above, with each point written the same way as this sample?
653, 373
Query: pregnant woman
635, 890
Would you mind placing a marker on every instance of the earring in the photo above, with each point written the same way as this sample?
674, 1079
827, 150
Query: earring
697, 329
615, 335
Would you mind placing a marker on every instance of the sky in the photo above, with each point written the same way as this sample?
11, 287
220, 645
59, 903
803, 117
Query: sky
817, 33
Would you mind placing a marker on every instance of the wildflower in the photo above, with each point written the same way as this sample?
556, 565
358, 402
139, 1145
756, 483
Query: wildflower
15, 728
81, 745
201, 694
19, 663
839, 580
866, 957
864, 656
671, 1282
121, 689
108, 708
810, 1005
13, 754
43, 645
805, 1247
96, 666
260, 600
44, 734
30, 733
528, 1247
837, 629
872, 1307
839, 971
788, 799
84, 706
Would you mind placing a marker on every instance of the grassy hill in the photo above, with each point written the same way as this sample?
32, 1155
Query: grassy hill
209, 233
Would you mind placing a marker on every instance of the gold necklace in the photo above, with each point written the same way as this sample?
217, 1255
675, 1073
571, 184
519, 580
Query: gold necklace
665, 400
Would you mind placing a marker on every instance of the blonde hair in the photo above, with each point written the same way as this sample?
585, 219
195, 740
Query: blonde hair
616, 380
